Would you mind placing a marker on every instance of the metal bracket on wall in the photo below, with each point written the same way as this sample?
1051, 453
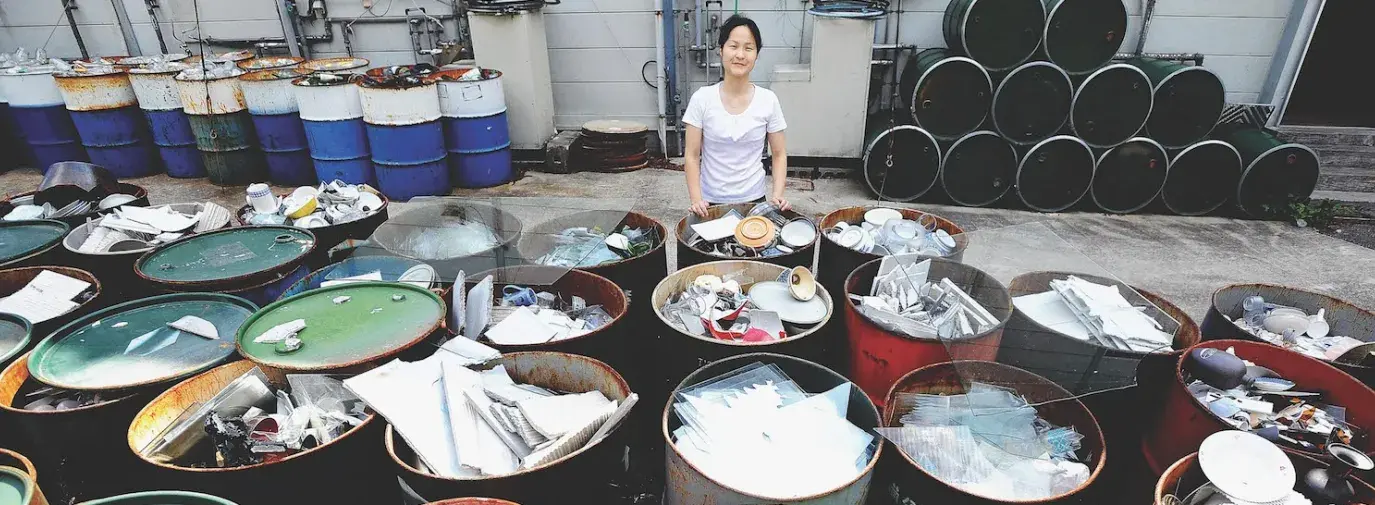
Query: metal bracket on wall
69, 6
427, 34
126, 28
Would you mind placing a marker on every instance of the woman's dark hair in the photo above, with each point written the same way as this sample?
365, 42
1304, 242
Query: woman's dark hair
736, 21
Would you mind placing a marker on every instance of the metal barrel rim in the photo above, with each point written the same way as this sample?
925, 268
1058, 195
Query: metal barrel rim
992, 112
1045, 36
964, 35
1016, 161
868, 150
1093, 188
912, 102
1058, 138
1247, 170
1074, 102
1174, 207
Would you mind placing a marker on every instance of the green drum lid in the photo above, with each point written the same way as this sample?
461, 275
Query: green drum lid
951, 98
1188, 105
15, 332
1111, 106
1032, 103
979, 169
998, 34
1055, 174
233, 255
346, 325
19, 239
1081, 35
1276, 179
1129, 176
162, 498
15, 486
132, 344
1201, 178
901, 163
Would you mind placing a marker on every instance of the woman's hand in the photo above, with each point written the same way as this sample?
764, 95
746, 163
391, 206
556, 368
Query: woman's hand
699, 207
780, 202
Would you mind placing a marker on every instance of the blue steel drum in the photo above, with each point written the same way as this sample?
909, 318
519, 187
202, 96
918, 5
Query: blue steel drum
45, 155
40, 115
44, 126
118, 140
403, 182
337, 140
481, 170
354, 171
270, 291
290, 168
12, 140
408, 144
391, 268
477, 135
170, 128
182, 162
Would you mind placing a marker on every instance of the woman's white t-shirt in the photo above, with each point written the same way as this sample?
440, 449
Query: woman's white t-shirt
733, 144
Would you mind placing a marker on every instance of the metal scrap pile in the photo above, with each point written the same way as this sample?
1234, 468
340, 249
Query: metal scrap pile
903, 300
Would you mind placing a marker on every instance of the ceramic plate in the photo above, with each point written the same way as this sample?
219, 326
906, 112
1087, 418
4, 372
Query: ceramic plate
775, 296
479, 308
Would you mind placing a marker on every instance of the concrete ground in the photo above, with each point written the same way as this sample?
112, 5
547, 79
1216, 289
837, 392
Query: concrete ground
1182, 258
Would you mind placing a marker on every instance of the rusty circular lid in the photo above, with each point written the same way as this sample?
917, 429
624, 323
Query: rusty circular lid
147, 341
144, 60
270, 62
275, 74
754, 231
232, 255
614, 126
345, 325
335, 64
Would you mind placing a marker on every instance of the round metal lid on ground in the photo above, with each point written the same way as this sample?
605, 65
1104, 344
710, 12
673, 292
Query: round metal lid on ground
947, 95
20, 240
614, 127
1111, 105
15, 332
147, 341
1188, 102
345, 325
999, 35
223, 256
979, 169
1129, 177
1055, 174
1082, 35
902, 163
1277, 178
1032, 103
1201, 178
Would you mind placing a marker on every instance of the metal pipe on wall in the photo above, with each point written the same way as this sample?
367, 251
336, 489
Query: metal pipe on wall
157, 27
1147, 13
69, 6
660, 79
126, 28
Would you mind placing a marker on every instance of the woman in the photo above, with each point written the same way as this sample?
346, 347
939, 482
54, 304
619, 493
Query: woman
727, 124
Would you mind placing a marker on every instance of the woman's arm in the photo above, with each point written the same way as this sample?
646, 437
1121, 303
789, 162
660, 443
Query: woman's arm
693, 168
778, 147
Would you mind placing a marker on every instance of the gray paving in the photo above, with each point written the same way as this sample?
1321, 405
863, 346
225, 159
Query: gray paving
1183, 259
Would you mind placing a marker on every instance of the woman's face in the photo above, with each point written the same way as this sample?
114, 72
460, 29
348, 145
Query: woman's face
739, 53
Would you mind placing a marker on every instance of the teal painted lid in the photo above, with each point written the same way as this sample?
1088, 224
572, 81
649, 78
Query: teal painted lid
132, 344
22, 239
232, 255
162, 498
15, 486
15, 332
346, 325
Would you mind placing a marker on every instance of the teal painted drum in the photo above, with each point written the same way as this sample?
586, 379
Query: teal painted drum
23, 243
1188, 101
228, 259
999, 34
1274, 174
948, 95
1082, 35
162, 498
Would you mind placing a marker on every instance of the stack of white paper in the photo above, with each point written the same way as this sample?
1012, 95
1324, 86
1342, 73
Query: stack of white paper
47, 296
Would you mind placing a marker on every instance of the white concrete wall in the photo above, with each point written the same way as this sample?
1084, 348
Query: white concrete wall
598, 47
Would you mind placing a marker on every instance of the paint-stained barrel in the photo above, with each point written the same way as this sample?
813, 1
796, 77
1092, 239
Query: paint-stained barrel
75, 448
1275, 174
116, 267
947, 94
1129, 177
269, 62
1111, 105
979, 169
157, 95
1082, 35
1188, 101
271, 102
1201, 178
406, 136
41, 114
998, 34
222, 126
837, 261
688, 485
1344, 318
1177, 427
1055, 174
902, 162
316, 474
1032, 102
476, 132
332, 115
689, 256
879, 357
585, 476
255, 262
35, 242
105, 112
341, 64
912, 483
